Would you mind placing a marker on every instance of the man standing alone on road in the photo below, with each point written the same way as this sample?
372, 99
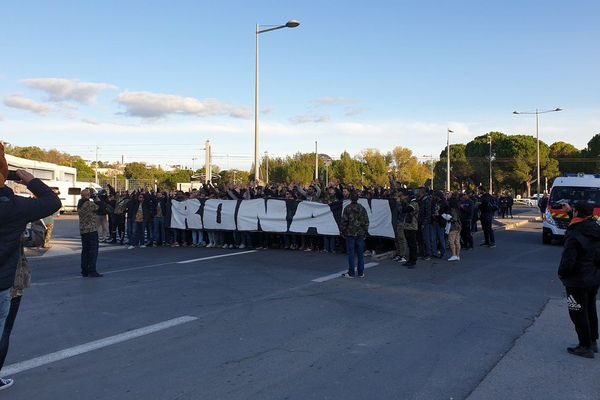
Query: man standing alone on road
579, 271
487, 208
87, 210
355, 225
15, 213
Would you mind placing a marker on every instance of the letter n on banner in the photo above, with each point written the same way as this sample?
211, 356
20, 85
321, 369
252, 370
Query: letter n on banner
268, 215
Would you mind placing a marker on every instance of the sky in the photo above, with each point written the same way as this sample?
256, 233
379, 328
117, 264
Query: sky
153, 80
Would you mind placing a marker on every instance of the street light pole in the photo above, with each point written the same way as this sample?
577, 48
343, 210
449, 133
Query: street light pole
537, 138
290, 24
491, 191
448, 160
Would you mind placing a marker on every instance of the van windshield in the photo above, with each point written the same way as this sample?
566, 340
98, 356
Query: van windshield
573, 194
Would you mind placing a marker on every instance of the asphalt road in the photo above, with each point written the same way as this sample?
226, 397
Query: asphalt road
260, 328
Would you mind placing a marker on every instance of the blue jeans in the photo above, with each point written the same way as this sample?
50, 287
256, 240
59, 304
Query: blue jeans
428, 236
89, 252
196, 236
440, 240
4, 307
355, 247
159, 230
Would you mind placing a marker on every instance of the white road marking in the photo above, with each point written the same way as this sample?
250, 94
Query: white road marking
219, 256
338, 274
91, 346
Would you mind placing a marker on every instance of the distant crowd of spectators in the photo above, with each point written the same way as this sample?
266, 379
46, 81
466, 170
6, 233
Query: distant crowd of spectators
141, 218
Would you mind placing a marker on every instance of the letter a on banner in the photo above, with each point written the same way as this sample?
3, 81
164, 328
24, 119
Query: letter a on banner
314, 215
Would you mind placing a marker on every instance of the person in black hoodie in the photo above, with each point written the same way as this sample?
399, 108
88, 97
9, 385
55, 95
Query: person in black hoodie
487, 208
579, 272
15, 213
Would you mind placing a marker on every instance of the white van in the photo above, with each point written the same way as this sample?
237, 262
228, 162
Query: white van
569, 189
69, 201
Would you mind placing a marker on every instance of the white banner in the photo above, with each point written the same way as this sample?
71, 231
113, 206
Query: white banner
278, 216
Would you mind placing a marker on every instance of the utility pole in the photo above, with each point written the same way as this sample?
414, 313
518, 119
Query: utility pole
207, 162
448, 161
96, 169
316, 162
491, 191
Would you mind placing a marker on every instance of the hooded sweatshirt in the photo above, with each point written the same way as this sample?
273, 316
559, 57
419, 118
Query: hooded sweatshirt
578, 262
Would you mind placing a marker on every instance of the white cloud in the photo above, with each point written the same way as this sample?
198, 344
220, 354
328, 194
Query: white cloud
59, 89
352, 111
90, 121
24, 103
314, 119
158, 105
334, 101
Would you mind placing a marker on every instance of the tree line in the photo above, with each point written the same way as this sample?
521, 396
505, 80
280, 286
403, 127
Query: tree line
513, 160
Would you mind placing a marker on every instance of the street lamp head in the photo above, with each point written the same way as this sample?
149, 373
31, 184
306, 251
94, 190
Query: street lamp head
558, 109
292, 23
516, 112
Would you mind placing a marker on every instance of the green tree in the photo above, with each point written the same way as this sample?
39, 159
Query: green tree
407, 169
347, 170
138, 170
375, 167
461, 170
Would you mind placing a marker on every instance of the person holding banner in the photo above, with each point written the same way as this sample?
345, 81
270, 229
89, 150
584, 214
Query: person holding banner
355, 226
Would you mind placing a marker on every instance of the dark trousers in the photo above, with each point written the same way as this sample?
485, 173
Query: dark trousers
411, 241
486, 226
138, 234
118, 227
89, 252
356, 255
465, 233
582, 310
8, 325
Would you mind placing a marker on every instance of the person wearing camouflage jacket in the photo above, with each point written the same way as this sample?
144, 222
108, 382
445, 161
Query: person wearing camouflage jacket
355, 226
408, 210
86, 209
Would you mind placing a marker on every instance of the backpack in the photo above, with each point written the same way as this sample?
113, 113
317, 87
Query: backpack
35, 234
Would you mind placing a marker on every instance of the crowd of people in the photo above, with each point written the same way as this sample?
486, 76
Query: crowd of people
427, 222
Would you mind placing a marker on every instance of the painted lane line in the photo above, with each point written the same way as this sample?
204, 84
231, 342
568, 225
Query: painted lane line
175, 262
95, 345
338, 274
219, 256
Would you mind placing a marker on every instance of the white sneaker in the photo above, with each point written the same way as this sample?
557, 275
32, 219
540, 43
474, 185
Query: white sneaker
5, 383
143, 246
242, 246
225, 246
209, 245
130, 247
453, 258
402, 260
231, 246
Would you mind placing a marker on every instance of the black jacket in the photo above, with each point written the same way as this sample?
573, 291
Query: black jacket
15, 213
487, 205
577, 267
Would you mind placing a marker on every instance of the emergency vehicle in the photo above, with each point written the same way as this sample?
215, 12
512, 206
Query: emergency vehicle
569, 189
